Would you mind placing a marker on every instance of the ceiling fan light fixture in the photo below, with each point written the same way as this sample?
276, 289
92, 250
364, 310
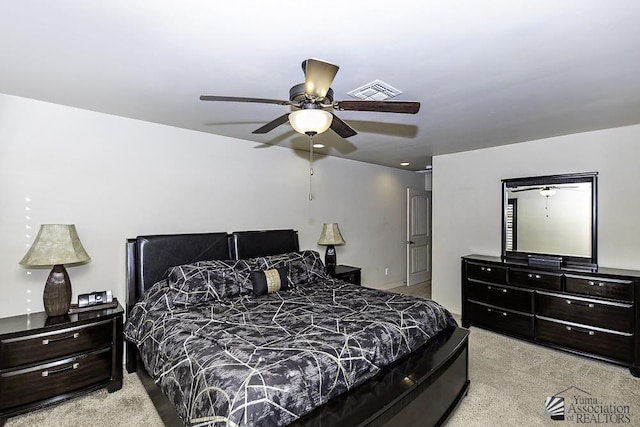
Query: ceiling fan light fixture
547, 192
310, 121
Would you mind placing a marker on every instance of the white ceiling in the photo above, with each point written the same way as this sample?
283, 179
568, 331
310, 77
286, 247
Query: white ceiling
487, 72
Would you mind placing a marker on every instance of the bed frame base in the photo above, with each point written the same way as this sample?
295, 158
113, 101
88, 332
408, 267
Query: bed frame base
422, 389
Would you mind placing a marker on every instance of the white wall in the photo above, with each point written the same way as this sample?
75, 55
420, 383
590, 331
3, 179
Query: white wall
117, 178
467, 198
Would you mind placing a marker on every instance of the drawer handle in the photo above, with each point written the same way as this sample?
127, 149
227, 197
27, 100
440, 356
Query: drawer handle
487, 269
582, 331
584, 304
68, 337
534, 276
592, 283
58, 371
504, 313
491, 288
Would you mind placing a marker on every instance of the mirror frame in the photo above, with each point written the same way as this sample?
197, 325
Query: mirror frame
550, 259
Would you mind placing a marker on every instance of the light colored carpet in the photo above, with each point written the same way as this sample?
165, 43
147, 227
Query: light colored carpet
419, 289
129, 406
510, 381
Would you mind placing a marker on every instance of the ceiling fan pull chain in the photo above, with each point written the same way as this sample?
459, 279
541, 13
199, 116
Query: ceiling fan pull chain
310, 166
546, 206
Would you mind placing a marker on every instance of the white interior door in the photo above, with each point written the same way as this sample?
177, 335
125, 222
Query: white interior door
418, 236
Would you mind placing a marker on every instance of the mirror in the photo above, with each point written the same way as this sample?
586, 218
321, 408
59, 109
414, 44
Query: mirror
551, 220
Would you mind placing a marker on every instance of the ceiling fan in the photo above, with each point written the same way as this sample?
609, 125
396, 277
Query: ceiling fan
547, 191
547, 188
311, 99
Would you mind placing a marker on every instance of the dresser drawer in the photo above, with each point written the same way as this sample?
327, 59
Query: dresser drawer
49, 345
535, 279
23, 386
502, 296
590, 340
487, 273
601, 314
600, 287
500, 319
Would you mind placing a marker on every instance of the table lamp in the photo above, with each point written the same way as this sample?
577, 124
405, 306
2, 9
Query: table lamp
330, 236
56, 245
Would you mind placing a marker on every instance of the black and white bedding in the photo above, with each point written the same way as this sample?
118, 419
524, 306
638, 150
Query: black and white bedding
225, 356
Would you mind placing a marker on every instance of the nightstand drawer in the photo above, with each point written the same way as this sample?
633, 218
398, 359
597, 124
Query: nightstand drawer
591, 340
614, 316
487, 273
536, 279
23, 386
49, 345
599, 287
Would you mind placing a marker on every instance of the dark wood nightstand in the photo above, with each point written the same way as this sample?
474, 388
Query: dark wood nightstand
347, 273
46, 360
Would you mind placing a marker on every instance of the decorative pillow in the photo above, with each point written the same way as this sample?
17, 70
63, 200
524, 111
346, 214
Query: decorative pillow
269, 281
304, 266
206, 281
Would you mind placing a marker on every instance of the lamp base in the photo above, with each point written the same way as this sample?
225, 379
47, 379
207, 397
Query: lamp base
330, 258
57, 292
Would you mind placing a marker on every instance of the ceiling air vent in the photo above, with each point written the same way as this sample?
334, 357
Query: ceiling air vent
375, 91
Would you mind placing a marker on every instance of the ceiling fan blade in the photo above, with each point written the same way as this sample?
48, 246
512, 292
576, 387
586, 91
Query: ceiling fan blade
241, 99
318, 77
273, 124
526, 189
407, 107
546, 187
341, 128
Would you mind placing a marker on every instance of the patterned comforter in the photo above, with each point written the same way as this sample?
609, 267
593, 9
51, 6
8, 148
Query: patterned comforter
249, 360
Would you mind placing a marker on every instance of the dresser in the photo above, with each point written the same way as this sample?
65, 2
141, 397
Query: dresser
46, 360
594, 313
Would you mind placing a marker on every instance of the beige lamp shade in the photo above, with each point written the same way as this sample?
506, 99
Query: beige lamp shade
331, 235
55, 244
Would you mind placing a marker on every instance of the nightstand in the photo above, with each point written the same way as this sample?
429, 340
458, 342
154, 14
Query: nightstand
346, 273
46, 360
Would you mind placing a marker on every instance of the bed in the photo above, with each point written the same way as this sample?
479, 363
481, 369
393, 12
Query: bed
318, 352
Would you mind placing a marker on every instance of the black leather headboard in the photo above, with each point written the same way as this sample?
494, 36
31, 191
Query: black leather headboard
148, 257
251, 244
